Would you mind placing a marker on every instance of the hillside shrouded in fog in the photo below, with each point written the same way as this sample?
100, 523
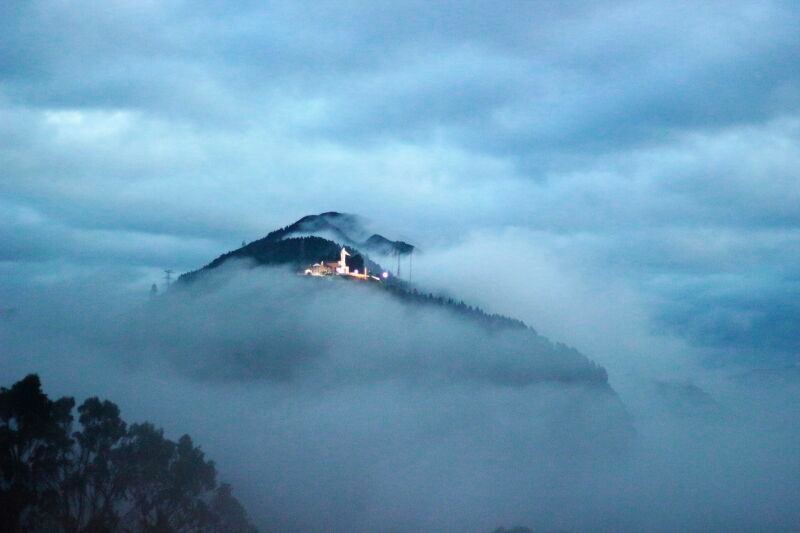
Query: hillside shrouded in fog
610, 188
336, 405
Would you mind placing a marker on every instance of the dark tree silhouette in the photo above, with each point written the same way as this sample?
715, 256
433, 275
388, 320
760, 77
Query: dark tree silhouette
34, 447
92, 486
105, 477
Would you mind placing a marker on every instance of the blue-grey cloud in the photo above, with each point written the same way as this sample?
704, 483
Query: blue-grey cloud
657, 139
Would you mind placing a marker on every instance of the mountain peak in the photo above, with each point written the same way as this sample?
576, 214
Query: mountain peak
344, 228
315, 239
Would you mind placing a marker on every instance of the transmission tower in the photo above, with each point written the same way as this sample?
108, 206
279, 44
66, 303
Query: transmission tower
398, 263
168, 277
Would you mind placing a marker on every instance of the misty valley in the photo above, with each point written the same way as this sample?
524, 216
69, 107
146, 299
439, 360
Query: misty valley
399, 266
331, 400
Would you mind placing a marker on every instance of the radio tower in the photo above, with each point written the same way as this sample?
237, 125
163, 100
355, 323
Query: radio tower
168, 277
398, 263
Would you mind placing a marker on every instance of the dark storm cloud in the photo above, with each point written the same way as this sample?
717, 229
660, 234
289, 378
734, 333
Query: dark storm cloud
657, 140
526, 74
746, 324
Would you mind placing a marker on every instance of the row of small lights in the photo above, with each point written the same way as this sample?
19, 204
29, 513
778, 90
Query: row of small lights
384, 275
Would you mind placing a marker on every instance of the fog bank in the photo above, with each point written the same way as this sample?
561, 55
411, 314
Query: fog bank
334, 407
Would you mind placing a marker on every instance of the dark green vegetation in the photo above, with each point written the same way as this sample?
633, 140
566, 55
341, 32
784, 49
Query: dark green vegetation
296, 252
494, 321
105, 477
294, 246
344, 228
279, 249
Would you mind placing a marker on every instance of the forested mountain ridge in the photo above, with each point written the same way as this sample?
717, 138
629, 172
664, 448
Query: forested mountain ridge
302, 243
281, 248
345, 228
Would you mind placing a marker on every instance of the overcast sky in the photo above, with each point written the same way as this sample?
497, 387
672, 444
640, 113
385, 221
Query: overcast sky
650, 142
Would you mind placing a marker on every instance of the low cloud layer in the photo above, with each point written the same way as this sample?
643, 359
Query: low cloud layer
402, 418
663, 135
620, 175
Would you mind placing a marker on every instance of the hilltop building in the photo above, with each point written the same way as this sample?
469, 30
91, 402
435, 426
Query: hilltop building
320, 269
343, 269
339, 268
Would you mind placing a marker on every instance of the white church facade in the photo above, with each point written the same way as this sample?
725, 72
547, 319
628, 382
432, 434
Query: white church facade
339, 268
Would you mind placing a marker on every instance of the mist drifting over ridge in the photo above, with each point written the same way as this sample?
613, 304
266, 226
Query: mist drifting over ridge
334, 406
342, 377
621, 176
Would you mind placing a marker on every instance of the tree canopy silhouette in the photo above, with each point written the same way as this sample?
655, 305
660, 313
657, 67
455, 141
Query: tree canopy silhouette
105, 477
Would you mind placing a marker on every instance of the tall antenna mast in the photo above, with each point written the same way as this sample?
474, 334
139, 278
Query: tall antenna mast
168, 277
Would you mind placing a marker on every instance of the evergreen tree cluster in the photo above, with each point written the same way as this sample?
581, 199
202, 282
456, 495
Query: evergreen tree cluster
296, 252
406, 293
104, 477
